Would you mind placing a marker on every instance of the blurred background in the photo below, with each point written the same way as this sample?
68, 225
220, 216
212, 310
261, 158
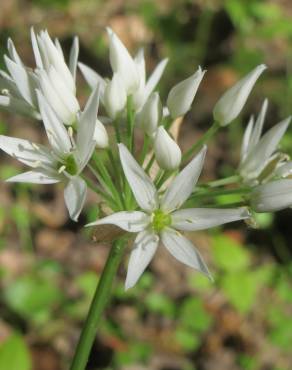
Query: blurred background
174, 319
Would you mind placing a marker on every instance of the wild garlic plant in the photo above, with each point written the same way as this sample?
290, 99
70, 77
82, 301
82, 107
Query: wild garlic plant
150, 190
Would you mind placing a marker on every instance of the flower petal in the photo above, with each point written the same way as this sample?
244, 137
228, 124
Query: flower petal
25, 151
273, 196
167, 152
154, 78
258, 127
184, 183
132, 221
75, 195
35, 177
203, 218
56, 131
73, 58
258, 157
86, 127
92, 77
141, 185
246, 138
144, 248
183, 250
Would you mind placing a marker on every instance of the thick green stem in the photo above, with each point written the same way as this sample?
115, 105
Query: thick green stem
203, 140
98, 304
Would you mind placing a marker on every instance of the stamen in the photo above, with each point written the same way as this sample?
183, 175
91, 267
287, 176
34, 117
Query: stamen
36, 164
35, 146
62, 169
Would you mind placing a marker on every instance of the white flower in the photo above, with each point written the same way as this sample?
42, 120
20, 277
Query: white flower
161, 219
273, 196
150, 115
181, 96
115, 97
65, 160
167, 152
18, 86
258, 153
146, 87
231, 103
122, 63
100, 135
56, 80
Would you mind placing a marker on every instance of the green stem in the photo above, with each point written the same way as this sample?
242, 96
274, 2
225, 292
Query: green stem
98, 304
203, 140
130, 122
211, 194
221, 182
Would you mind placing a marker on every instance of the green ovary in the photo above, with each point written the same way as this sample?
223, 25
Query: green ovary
70, 165
160, 220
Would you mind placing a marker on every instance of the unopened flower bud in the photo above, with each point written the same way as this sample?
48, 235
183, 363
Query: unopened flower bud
181, 96
231, 103
149, 117
115, 97
100, 135
122, 63
273, 196
167, 152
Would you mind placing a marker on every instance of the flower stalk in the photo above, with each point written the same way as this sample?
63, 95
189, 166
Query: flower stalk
98, 304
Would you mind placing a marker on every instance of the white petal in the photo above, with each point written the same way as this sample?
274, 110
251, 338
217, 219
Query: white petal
231, 103
20, 106
25, 151
115, 97
56, 131
132, 221
183, 250
64, 93
150, 115
143, 251
246, 138
203, 218
273, 196
35, 177
122, 63
258, 128
141, 185
184, 183
92, 77
284, 170
154, 78
13, 53
21, 78
56, 59
75, 195
140, 63
50, 93
167, 152
100, 135
86, 128
73, 59
258, 157
36, 51
181, 96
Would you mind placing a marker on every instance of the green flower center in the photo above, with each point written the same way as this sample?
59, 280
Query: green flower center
160, 220
69, 165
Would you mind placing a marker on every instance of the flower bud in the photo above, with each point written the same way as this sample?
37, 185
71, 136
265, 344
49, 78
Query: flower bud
273, 196
100, 135
122, 63
181, 96
231, 103
115, 97
150, 116
167, 152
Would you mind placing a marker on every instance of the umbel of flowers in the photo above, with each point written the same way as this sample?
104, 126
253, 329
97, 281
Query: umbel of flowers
150, 190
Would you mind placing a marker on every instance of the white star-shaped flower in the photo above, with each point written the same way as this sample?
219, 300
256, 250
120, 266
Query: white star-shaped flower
66, 158
161, 218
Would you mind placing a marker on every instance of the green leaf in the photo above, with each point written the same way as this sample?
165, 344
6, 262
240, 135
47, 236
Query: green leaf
241, 289
188, 340
193, 315
228, 254
14, 354
33, 297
